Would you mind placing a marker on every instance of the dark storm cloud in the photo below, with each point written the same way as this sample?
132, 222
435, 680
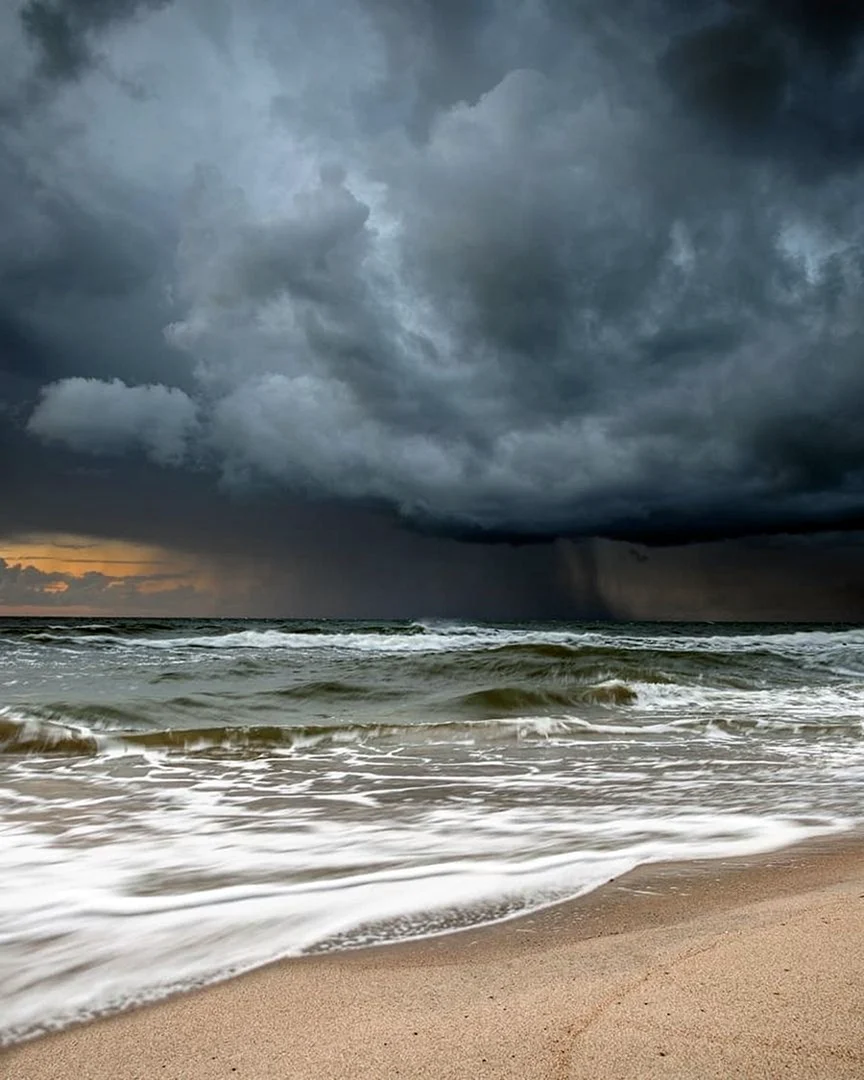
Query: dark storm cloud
272, 556
20, 349
63, 31
772, 578
507, 270
781, 79
83, 262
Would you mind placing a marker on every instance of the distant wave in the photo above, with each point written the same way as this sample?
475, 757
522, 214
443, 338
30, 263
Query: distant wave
825, 646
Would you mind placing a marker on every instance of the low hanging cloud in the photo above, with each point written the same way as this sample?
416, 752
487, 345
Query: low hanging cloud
555, 275
26, 586
98, 417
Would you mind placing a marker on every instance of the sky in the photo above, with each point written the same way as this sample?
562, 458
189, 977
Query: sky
449, 308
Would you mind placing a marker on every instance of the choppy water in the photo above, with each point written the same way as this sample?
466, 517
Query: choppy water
181, 800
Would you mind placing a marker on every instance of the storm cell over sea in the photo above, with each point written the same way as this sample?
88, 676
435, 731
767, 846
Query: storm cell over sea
431, 472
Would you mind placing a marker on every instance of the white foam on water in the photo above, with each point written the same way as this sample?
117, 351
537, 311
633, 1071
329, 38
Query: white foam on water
436, 641
789, 707
839, 651
75, 944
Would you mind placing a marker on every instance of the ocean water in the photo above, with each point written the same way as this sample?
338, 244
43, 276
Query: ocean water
182, 800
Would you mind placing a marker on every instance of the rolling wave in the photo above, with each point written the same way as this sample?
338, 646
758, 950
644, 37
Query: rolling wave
701, 645
41, 736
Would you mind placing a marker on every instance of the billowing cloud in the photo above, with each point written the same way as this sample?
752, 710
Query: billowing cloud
502, 269
63, 31
105, 417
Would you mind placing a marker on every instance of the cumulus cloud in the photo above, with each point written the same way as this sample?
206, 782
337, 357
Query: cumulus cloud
507, 269
109, 417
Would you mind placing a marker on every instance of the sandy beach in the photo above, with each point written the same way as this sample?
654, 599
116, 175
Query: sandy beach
746, 968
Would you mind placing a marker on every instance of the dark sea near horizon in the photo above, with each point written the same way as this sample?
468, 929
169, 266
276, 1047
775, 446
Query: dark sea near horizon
181, 800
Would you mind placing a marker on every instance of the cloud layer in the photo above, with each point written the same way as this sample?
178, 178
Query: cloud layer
26, 586
503, 269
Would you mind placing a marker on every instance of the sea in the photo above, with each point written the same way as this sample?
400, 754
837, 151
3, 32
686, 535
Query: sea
183, 800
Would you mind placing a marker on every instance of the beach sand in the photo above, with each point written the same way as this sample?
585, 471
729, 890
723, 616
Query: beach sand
750, 968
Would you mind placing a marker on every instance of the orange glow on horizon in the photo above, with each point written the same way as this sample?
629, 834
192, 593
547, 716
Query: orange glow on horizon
133, 576
80, 554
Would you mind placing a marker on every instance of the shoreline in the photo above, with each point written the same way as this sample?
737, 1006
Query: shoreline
537, 995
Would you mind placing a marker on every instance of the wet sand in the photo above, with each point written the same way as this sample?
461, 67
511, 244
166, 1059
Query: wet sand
750, 968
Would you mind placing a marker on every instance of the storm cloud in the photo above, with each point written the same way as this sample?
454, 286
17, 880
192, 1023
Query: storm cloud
498, 270
63, 32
